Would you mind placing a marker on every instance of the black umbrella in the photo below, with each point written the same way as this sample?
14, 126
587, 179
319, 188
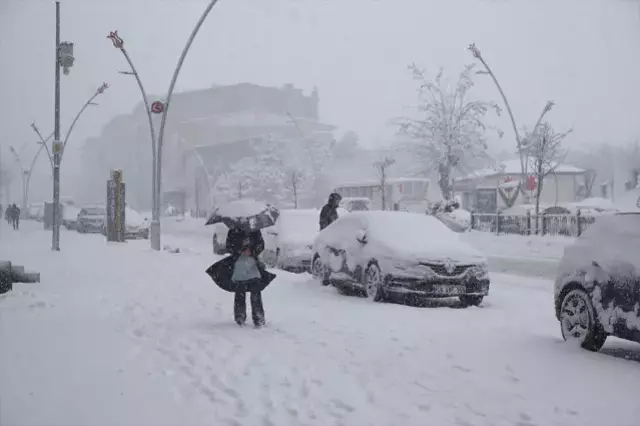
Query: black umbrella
249, 215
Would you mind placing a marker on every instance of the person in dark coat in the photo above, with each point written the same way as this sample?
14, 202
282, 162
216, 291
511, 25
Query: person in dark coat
329, 212
15, 216
245, 247
7, 214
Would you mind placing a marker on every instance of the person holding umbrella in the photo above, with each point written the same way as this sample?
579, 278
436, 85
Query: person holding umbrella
242, 271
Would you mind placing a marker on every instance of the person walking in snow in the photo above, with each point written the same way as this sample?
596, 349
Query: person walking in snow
15, 216
248, 273
329, 212
7, 214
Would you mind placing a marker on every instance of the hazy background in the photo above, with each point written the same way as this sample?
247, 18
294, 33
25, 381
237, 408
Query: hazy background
582, 54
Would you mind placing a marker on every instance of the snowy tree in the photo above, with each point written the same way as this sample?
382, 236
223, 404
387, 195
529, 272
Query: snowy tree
544, 152
450, 129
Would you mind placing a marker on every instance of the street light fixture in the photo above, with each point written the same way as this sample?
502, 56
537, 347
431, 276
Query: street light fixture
154, 231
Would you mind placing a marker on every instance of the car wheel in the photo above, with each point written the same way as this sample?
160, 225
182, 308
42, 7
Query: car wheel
579, 323
468, 300
374, 283
319, 271
217, 247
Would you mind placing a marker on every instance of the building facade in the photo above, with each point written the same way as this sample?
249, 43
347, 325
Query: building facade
206, 131
493, 189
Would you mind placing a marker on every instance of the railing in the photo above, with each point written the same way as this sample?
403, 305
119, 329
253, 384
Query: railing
571, 225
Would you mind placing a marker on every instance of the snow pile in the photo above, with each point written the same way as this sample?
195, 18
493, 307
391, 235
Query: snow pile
508, 245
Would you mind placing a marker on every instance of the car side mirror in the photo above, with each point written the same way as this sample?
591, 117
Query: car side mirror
361, 236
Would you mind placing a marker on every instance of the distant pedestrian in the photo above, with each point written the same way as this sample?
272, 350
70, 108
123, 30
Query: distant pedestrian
329, 212
15, 217
7, 214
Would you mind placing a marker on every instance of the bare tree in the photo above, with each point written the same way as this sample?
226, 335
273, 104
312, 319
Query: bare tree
544, 152
451, 128
381, 167
295, 179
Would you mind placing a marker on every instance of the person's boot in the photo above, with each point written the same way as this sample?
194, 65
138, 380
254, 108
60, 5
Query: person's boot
240, 307
257, 309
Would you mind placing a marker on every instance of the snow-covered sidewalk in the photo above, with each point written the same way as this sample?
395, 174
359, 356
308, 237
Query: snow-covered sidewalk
119, 335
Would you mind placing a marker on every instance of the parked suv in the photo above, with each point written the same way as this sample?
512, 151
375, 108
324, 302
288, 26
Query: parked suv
597, 290
91, 219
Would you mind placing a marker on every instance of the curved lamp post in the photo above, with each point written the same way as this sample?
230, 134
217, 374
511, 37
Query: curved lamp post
99, 91
118, 43
523, 164
155, 236
43, 144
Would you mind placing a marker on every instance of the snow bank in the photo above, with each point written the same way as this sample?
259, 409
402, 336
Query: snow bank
158, 337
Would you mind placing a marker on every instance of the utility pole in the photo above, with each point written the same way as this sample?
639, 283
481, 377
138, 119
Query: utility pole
57, 144
64, 59
382, 167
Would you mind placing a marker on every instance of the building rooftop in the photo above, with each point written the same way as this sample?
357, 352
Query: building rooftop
513, 167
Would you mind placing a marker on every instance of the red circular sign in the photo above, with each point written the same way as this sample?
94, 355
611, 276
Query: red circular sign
157, 107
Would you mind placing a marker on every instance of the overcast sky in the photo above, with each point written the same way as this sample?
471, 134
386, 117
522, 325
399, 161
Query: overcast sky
583, 54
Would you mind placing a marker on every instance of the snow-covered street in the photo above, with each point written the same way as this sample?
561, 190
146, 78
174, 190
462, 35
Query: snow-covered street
116, 334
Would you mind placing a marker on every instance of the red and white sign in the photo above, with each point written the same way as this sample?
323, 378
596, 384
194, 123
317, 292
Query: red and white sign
157, 107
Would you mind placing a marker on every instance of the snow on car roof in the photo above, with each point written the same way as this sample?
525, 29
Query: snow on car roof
406, 225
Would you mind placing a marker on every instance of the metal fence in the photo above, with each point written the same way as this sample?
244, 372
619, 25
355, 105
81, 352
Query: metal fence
571, 225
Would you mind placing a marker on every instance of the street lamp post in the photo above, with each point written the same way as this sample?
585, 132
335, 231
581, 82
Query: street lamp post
155, 241
43, 144
63, 59
99, 91
154, 230
523, 163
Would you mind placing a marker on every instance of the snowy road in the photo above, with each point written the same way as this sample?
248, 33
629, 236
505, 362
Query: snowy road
119, 335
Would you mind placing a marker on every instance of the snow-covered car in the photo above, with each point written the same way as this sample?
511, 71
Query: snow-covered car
597, 289
382, 252
35, 211
137, 226
70, 216
220, 232
91, 219
289, 244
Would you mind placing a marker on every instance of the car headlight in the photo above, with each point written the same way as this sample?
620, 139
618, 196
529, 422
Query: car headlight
480, 272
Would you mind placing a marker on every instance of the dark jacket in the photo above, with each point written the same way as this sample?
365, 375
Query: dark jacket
329, 212
222, 271
236, 242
